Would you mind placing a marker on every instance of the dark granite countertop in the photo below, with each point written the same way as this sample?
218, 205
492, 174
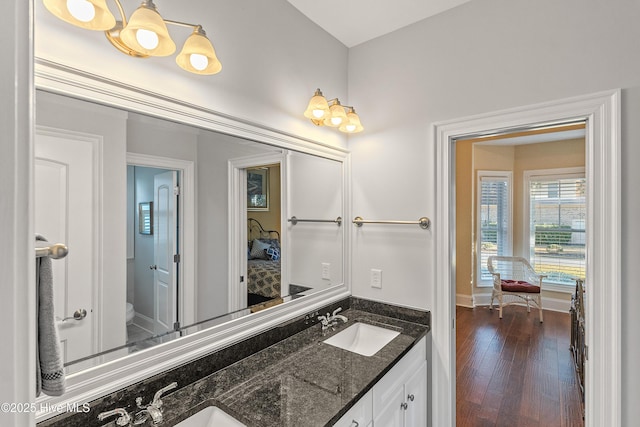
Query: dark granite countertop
297, 381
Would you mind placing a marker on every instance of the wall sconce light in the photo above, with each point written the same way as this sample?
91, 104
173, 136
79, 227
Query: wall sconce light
144, 35
331, 113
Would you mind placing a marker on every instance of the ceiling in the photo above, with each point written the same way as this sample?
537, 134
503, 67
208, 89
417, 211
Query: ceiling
356, 21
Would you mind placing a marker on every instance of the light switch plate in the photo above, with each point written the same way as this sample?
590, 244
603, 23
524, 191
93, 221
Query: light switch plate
326, 271
376, 278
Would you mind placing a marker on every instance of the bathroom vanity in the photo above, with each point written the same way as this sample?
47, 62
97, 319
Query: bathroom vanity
302, 380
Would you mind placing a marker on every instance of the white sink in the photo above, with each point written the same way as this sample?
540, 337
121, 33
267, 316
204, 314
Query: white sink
362, 338
211, 416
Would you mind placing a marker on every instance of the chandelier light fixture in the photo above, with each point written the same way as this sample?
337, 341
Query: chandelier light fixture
331, 113
144, 34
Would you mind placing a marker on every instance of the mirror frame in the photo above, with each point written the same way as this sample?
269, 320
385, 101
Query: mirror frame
101, 380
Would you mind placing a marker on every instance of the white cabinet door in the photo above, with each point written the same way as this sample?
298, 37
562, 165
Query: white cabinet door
400, 397
416, 398
360, 415
392, 414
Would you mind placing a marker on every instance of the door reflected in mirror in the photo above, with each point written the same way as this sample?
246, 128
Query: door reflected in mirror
146, 216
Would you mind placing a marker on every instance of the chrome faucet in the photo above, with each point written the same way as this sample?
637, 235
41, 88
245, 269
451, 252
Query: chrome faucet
153, 409
123, 420
331, 320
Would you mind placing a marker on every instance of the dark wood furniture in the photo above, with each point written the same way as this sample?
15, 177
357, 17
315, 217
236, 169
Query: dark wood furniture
578, 347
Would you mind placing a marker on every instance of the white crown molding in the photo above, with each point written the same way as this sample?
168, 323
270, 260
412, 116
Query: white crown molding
58, 78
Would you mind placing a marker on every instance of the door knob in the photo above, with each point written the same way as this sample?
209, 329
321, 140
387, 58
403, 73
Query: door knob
404, 405
79, 314
411, 397
153, 267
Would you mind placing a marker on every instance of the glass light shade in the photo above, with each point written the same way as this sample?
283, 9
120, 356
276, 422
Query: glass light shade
198, 56
147, 18
353, 125
337, 117
318, 108
147, 39
102, 19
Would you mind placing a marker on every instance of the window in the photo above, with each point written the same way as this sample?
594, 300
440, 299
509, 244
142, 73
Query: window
556, 231
494, 223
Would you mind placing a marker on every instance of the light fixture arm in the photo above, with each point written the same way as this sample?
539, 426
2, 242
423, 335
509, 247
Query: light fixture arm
336, 101
121, 11
196, 27
168, 21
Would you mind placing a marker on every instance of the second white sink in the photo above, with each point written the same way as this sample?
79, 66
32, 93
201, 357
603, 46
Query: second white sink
362, 338
211, 416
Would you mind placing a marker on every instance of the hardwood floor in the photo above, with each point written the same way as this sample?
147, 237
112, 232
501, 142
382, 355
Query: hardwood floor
515, 372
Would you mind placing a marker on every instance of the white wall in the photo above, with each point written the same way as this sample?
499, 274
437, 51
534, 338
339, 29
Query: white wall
314, 193
214, 152
485, 56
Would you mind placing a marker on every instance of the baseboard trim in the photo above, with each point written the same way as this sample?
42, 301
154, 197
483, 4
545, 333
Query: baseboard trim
464, 300
143, 322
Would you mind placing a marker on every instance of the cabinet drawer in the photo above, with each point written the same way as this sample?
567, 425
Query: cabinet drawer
360, 415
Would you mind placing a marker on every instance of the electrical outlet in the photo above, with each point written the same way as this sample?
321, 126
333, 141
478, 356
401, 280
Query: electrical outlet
326, 271
376, 278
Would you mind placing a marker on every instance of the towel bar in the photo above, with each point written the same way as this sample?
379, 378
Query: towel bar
293, 220
56, 251
424, 222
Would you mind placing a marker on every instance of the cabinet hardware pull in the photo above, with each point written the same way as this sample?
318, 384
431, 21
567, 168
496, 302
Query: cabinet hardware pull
411, 397
404, 405
354, 423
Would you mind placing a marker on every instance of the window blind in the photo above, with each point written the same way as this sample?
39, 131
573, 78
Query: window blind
557, 227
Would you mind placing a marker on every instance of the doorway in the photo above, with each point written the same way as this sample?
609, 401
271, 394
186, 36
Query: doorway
257, 204
519, 194
601, 112
264, 228
169, 295
152, 251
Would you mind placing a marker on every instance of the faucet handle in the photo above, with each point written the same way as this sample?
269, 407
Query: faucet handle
156, 397
336, 311
123, 420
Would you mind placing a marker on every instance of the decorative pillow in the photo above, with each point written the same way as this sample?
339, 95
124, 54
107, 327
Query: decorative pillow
259, 250
273, 253
272, 242
519, 286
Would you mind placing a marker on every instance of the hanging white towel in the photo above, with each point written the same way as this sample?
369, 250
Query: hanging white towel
50, 377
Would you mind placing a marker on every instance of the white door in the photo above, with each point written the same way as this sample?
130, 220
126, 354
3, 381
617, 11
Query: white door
165, 247
66, 203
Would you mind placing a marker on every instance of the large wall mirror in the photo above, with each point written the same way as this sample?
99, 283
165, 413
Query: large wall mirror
214, 267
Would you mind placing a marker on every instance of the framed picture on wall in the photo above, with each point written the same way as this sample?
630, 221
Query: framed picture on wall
258, 189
